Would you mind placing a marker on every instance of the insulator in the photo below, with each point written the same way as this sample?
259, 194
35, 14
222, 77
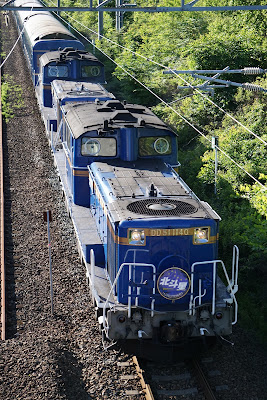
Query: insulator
253, 88
253, 71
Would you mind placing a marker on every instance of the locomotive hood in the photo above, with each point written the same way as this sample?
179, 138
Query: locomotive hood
153, 191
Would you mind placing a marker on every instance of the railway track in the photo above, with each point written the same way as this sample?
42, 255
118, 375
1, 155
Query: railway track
177, 381
63, 357
2, 244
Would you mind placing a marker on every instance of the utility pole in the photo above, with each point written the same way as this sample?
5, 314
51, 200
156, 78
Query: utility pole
100, 22
214, 145
119, 15
48, 219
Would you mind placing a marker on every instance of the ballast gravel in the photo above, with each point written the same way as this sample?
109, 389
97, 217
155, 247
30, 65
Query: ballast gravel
61, 356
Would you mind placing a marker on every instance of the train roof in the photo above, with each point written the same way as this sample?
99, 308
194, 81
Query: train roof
67, 54
41, 25
70, 89
129, 188
112, 114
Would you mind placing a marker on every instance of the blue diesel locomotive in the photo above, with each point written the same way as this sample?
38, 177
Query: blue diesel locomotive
149, 245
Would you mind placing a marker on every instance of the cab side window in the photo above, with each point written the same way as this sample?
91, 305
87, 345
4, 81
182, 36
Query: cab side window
154, 146
58, 71
90, 71
98, 147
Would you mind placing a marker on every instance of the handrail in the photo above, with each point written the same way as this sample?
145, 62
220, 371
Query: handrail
129, 264
232, 286
191, 302
235, 268
55, 138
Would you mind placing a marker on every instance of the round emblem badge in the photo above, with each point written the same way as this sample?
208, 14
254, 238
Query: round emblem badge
173, 283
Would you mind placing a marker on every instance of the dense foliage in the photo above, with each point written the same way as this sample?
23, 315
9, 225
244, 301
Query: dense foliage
204, 41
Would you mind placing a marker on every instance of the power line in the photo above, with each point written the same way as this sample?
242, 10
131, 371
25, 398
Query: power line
18, 39
159, 98
168, 105
11, 51
176, 74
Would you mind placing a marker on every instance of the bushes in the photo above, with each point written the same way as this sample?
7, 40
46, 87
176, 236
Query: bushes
11, 97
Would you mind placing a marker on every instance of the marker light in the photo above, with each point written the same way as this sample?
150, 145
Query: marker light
219, 315
201, 235
136, 236
121, 318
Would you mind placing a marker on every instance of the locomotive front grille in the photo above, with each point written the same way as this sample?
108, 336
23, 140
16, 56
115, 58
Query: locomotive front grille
161, 207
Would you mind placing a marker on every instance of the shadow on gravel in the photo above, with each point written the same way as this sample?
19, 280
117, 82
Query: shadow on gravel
70, 380
10, 258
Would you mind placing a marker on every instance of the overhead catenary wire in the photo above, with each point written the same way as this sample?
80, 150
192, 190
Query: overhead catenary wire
11, 51
15, 44
176, 74
169, 106
163, 101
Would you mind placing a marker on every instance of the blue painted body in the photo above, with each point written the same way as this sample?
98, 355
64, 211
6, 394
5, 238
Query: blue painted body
162, 251
146, 228
165, 252
44, 46
74, 74
77, 162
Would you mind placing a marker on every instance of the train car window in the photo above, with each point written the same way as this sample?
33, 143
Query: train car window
58, 71
88, 71
68, 137
64, 136
155, 146
98, 147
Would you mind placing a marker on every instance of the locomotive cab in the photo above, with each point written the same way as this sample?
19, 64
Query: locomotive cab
68, 64
161, 255
106, 131
42, 33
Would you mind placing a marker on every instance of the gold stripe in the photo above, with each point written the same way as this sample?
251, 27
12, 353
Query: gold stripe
213, 239
151, 232
80, 173
170, 232
111, 230
76, 172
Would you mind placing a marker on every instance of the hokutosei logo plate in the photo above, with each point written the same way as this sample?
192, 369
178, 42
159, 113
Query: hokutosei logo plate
173, 283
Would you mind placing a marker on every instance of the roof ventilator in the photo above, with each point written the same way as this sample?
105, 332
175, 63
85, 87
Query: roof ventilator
105, 128
141, 122
114, 104
122, 115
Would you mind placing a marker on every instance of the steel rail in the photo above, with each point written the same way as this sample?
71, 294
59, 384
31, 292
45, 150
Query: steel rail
145, 387
2, 242
202, 380
197, 373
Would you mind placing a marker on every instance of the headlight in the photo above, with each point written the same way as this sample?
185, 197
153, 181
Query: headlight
201, 235
136, 236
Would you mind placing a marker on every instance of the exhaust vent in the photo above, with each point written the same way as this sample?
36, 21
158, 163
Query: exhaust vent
161, 207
